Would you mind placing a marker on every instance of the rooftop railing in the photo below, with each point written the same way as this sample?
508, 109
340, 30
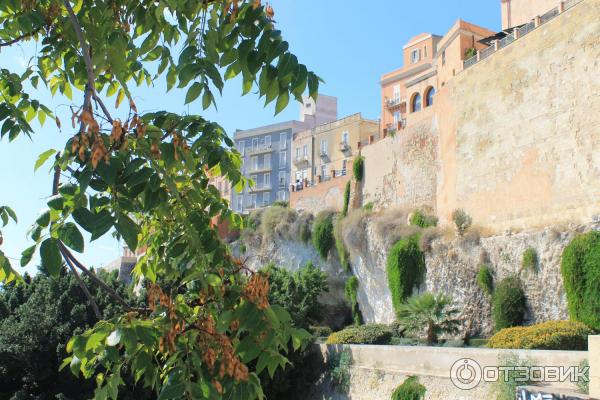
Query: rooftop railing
520, 32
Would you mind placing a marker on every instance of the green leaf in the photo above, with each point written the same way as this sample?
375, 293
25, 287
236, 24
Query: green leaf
44, 219
11, 213
114, 338
51, 258
207, 99
71, 236
56, 203
129, 230
282, 102
213, 280
193, 92
26, 255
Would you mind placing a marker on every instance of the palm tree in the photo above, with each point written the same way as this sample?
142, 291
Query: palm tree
432, 312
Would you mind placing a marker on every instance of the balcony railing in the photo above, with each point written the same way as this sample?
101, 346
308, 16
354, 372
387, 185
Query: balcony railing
345, 147
393, 102
261, 188
520, 32
301, 160
259, 168
324, 155
259, 150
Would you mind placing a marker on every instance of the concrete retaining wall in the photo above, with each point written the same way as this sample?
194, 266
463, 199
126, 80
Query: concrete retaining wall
377, 370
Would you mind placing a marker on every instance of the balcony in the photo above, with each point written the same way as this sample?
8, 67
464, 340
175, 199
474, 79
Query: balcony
261, 188
302, 161
394, 102
324, 156
345, 148
392, 129
254, 151
256, 169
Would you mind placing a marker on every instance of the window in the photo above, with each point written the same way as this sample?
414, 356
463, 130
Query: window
298, 176
424, 51
267, 179
254, 163
323, 171
297, 153
253, 200
324, 147
415, 56
415, 104
255, 143
344, 164
241, 147
397, 93
268, 141
281, 195
266, 198
345, 137
396, 118
305, 150
282, 159
255, 180
267, 161
429, 96
240, 203
443, 57
282, 179
283, 141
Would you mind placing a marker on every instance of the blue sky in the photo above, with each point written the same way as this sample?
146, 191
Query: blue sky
350, 44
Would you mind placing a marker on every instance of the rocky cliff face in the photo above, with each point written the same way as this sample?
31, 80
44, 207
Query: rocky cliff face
452, 264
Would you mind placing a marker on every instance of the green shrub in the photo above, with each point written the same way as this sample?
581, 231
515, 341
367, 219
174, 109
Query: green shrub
405, 269
580, 268
346, 199
485, 279
508, 303
420, 219
322, 235
364, 334
369, 206
583, 385
410, 389
280, 203
462, 221
470, 52
358, 168
429, 314
530, 259
297, 292
551, 335
304, 233
320, 331
340, 246
276, 221
351, 291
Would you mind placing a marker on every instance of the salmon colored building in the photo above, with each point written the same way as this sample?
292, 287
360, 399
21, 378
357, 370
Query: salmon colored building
430, 61
518, 12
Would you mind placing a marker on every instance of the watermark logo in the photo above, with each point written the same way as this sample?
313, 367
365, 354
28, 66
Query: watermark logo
466, 374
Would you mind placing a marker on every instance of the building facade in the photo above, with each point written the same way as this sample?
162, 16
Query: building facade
267, 155
322, 160
519, 12
430, 61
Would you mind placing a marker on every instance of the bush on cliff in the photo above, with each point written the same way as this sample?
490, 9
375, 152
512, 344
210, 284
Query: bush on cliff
462, 221
580, 268
551, 335
422, 220
485, 279
358, 168
322, 235
508, 303
364, 334
405, 269
346, 199
340, 246
530, 260
410, 389
351, 291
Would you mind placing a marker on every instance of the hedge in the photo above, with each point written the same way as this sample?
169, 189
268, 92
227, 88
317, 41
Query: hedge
405, 269
364, 334
410, 389
551, 335
322, 234
580, 268
508, 303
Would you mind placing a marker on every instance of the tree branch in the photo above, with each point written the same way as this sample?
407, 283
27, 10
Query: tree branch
93, 304
112, 293
19, 38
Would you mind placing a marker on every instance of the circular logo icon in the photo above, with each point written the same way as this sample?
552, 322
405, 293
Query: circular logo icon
465, 374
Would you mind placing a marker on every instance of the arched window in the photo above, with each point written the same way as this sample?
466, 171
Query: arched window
415, 104
429, 93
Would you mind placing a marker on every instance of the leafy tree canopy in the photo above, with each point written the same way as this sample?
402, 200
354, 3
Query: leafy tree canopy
147, 177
